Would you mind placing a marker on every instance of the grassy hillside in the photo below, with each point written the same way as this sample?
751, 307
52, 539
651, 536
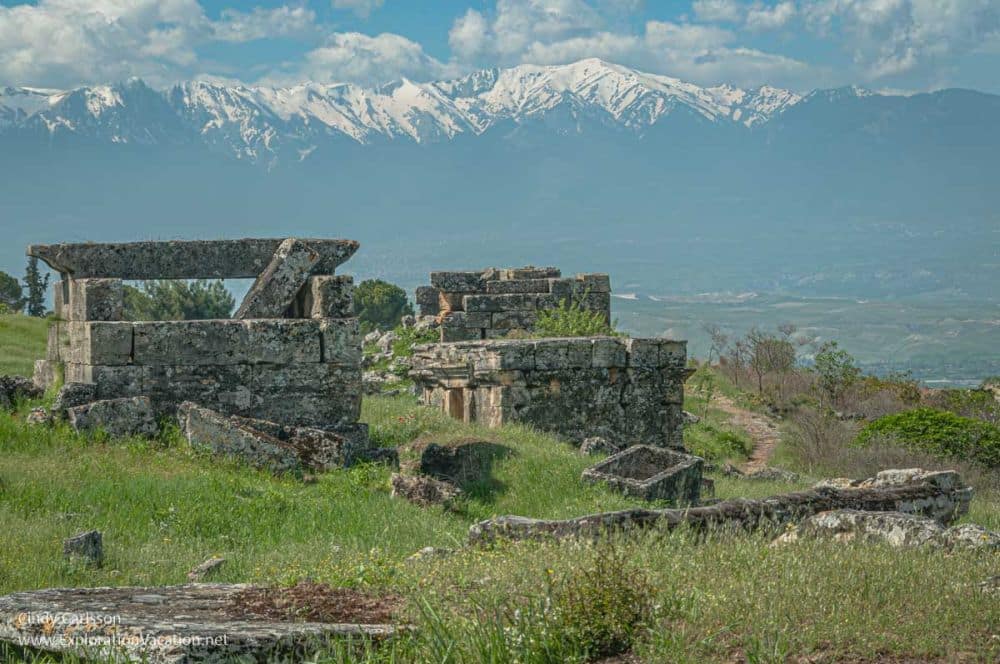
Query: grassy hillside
22, 341
164, 508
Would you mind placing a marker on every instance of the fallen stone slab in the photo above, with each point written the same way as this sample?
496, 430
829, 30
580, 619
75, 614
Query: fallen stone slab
276, 288
14, 387
893, 528
88, 546
171, 625
71, 395
938, 495
423, 490
650, 473
130, 416
190, 259
206, 568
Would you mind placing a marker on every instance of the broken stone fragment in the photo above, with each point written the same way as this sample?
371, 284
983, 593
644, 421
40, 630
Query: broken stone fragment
131, 416
598, 445
38, 417
210, 431
71, 395
424, 491
14, 387
325, 296
893, 528
88, 547
458, 282
91, 299
205, 569
276, 288
772, 474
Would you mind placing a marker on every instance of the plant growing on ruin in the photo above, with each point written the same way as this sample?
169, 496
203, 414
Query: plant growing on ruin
571, 319
380, 304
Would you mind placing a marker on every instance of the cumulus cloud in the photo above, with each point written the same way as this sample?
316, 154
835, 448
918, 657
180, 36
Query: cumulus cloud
368, 60
891, 37
718, 11
560, 31
69, 42
362, 8
762, 17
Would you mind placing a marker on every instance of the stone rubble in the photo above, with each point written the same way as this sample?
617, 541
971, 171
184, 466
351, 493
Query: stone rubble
88, 547
202, 571
423, 490
13, 388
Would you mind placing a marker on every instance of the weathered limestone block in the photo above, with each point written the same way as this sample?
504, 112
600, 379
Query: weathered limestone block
317, 449
46, 374
560, 354
210, 431
494, 303
450, 302
197, 259
893, 528
428, 300
423, 491
91, 300
608, 352
513, 320
458, 282
107, 343
460, 333
221, 342
119, 417
325, 297
71, 395
110, 382
651, 473
275, 289
593, 282
13, 388
227, 388
528, 272
923, 495
475, 320
200, 622
88, 547
341, 341
500, 287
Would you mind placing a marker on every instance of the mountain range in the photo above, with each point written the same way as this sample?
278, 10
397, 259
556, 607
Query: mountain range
673, 188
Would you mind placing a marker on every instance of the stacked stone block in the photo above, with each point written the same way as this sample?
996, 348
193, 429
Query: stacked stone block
629, 391
488, 304
299, 366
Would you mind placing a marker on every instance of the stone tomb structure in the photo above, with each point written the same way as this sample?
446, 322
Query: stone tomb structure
629, 391
488, 304
292, 354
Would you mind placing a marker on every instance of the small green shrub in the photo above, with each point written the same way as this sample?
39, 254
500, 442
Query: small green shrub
570, 319
380, 304
938, 432
604, 604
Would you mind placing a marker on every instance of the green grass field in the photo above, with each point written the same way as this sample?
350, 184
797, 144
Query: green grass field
163, 508
22, 341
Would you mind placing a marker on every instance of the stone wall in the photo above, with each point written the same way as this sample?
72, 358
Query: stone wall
488, 304
298, 365
629, 391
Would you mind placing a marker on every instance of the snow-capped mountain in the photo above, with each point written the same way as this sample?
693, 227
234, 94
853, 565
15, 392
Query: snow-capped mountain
260, 122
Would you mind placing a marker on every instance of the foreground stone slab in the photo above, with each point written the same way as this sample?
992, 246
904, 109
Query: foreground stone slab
650, 473
189, 259
119, 417
274, 290
893, 528
164, 625
938, 495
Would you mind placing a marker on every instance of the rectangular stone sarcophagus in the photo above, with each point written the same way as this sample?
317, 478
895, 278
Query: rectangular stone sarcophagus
489, 304
629, 391
292, 355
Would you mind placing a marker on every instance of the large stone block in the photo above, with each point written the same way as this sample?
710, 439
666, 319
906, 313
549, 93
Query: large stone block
221, 342
110, 382
593, 282
495, 303
341, 341
197, 259
91, 300
119, 417
471, 319
46, 374
643, 352
104, 343
449, 334
651, 473
500, 287
275, 289
428, 300
213, 432
325, 297
528, 272
227, 388
458, 282
608, 352
513, 320
450, 301
56, 341
559, 354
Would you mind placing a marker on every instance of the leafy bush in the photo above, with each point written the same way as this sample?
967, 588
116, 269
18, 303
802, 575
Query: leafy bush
836, 369
165, 299
379, 305
570, 319
11, 293
604, 604
938, 432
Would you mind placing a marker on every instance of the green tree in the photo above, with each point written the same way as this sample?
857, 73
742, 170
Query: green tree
769, 354
836, 370
11, 293
165, 299
379, 304
37, 285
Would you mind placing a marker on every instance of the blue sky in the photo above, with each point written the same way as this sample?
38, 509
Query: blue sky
907, 45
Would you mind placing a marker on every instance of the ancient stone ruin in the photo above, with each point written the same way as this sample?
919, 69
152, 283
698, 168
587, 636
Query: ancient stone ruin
650, 473
629, 391
291, 355
488, 304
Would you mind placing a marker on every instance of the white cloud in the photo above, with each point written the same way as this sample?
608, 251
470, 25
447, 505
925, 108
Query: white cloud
69, 42
762, 17
360, 58
892, 37
362, 8
718, 11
